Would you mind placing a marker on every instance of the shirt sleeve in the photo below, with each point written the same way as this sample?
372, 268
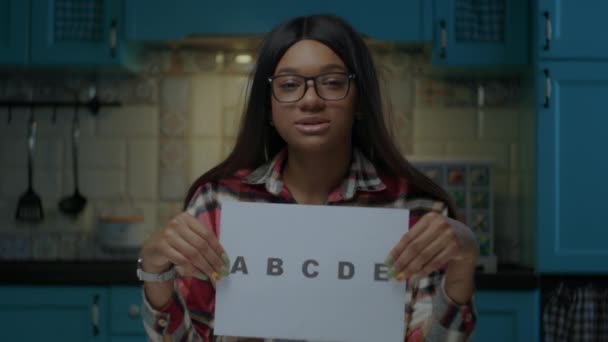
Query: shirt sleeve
188, 316
433, 316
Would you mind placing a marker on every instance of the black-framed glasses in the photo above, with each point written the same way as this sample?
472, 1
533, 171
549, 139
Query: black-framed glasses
331, 86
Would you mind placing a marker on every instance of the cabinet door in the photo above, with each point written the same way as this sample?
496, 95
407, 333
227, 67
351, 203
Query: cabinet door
473, 33
572, 167
14, 32
507, 316
382, 19
571, 29
125, 310
40, 313
76, 32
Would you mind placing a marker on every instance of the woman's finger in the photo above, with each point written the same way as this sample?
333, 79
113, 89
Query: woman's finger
439, 260
192, 255
433, 231
202, 246
419, 227
424, 257
206, 233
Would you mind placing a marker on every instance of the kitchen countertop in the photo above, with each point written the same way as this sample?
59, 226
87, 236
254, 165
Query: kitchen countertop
123, 273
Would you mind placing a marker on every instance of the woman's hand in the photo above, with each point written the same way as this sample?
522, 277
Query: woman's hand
188, 244
432, 242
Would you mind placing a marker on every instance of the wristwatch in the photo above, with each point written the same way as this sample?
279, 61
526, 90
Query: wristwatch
155, 277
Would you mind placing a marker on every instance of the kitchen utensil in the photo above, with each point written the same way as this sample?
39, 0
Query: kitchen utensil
29, 207
73, 205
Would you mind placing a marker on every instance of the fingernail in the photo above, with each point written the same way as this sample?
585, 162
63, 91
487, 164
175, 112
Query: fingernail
224, 271
391, 272
215, 276
226, 259
388, 261
400, 276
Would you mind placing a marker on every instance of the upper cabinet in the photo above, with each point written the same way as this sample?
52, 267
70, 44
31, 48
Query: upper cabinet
382, 19
63, 33
571, 29
481, 33
77, 32
572, 125
14, 31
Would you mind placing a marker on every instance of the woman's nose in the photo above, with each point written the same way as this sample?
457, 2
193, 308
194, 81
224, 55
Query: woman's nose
311, 98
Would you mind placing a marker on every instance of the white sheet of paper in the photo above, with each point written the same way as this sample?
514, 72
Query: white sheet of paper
323, 308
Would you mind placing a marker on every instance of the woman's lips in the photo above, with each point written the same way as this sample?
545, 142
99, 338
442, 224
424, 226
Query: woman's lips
312, 126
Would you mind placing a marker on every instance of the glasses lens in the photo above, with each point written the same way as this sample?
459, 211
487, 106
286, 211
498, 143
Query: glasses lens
288, 88
332, 86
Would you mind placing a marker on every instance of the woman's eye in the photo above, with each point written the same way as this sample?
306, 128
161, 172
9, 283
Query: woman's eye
289, 85
333, 82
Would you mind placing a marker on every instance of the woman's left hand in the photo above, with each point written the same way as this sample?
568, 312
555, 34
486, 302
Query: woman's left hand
432, 242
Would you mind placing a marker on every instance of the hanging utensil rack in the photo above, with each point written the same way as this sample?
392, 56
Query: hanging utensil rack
93, 105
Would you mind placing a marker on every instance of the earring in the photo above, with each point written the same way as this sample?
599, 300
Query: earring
265, 151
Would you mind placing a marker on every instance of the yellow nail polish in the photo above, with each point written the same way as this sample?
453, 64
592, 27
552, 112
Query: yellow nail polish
391, 272
400, 276
215, 276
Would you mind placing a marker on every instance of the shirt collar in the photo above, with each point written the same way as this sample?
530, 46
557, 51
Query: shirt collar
362, 176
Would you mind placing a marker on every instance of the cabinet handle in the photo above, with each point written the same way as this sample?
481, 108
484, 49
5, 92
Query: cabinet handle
547, 88
444, 39
95, 315
134, 310
547, 31
113, 35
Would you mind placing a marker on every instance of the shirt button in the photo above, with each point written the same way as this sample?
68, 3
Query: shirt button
162, 322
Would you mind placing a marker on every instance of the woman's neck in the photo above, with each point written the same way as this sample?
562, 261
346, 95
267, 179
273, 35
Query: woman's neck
310, 177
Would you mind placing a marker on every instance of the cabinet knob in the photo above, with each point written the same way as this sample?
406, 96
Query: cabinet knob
134, 310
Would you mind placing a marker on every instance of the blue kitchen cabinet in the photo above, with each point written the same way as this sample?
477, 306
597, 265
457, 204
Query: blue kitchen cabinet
43, 313
509, 316
125, 313
14, 32
487, 33
571, 29
79, 33
571, 167
157, 20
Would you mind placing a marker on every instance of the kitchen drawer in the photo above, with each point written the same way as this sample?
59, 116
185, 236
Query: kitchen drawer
125, 310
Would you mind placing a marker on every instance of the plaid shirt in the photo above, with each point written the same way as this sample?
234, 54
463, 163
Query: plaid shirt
430, 314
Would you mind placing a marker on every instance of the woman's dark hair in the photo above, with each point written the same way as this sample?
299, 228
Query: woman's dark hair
257, 139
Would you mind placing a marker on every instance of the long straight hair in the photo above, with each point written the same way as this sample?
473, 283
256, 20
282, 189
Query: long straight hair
257, 139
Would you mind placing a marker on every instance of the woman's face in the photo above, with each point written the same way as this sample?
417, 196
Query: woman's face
313, 122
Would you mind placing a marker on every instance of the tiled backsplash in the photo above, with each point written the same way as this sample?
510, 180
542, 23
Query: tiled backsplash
180, 114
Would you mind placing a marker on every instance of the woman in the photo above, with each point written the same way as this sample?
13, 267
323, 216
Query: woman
313, 133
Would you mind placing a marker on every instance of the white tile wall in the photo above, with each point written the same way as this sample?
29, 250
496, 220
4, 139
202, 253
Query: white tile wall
142, 169
206, 154
207, 106
102, 153
444, 124
129, 150
102, 183
128, 121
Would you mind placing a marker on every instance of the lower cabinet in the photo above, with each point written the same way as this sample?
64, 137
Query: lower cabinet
507, 316
47, 313
113, 313
125, 314
71, 313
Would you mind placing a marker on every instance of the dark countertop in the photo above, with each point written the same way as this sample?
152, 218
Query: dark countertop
123, 273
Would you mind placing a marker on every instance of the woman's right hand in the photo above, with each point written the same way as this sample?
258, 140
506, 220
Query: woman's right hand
188, 244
